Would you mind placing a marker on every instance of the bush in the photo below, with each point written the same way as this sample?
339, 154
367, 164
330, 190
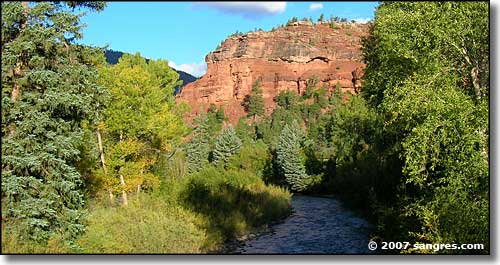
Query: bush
252, 156
149, 224
233, 202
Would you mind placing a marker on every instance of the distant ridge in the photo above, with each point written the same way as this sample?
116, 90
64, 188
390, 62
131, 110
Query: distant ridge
112, 58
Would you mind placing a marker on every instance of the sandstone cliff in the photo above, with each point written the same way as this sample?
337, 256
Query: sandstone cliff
283, 59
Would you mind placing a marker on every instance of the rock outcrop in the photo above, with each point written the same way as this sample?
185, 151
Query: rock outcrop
283, 59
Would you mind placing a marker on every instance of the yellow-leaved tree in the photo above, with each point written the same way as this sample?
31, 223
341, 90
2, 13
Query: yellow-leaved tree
139, 124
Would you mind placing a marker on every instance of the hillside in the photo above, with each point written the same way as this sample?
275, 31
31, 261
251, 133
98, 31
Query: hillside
286, 58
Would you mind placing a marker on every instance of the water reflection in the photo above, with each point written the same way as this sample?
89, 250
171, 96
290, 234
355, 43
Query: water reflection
317, 226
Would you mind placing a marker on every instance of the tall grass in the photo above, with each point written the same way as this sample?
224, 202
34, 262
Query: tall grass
149, 224
194, 213
233, 202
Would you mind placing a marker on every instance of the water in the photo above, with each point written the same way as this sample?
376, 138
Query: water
317, 226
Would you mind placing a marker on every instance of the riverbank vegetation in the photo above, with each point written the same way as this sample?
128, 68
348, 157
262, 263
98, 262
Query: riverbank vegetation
93, 157
97, 158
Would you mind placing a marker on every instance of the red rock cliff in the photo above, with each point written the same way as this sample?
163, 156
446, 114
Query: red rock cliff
283, 59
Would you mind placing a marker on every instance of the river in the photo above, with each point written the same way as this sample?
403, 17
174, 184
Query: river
317, 226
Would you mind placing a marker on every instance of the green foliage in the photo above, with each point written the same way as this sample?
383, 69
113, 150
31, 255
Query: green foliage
233, 202
212, 108
139, 121
226, 145
220, 115
149, 224
321, 17
49, 91
254, 103
253, 156
244, 131
427, 73
289, 156
445, 156
451, 37
198, 148
291, 21
352, 130
310, 86
288, 100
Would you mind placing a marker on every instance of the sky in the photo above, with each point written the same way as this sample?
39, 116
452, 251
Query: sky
185, 32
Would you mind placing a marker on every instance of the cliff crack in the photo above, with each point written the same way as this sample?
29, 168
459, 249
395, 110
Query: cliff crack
321, 58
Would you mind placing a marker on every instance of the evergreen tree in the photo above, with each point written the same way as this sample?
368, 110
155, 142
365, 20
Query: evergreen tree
227, 144
49, 92
198, 148
255, 103
289, 157
212, 108
244, 131
220, 115
321, 17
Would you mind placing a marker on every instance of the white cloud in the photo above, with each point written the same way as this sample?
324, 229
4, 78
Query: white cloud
315, 6
196, 69
247, 9
362, 20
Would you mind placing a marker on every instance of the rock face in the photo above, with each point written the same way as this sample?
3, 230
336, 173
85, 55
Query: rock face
283, 59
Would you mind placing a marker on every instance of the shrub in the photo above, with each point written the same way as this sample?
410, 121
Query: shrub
252, 156
149, 224
233, 202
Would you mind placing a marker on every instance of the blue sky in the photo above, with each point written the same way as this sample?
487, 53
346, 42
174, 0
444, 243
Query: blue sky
184, 32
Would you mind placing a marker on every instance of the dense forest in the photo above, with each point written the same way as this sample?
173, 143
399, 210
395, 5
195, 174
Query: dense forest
96, 158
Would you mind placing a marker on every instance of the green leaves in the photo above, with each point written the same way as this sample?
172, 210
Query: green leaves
139, 121
428, 75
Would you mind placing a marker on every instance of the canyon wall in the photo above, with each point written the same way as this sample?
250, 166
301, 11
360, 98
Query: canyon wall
282, 59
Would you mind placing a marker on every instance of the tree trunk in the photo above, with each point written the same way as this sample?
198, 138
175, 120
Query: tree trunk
18, 68
16, 90
124, 193
103, 163
474, 73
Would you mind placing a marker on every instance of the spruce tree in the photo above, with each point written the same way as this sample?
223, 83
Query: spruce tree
255, 103
289, 156
49, 91
321, 17
198, 148
220, 115
227, 144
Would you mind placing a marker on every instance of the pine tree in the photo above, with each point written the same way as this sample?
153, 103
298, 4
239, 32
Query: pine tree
289, 156
227, 144
321, 17
198, 148
49, 91
255, 102
220, 115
